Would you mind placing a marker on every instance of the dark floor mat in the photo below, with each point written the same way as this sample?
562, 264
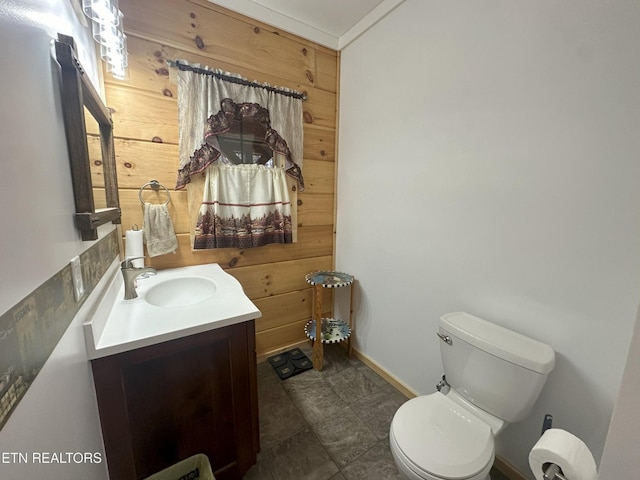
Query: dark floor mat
290, 363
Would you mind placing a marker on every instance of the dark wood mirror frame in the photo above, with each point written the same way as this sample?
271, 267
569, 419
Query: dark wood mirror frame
78, 93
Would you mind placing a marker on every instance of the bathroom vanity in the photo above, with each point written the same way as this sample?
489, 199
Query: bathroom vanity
178, 377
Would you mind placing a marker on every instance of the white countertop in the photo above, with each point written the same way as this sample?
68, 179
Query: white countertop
120, 325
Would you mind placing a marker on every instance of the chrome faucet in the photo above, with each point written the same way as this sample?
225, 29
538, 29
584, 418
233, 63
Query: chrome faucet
130, 273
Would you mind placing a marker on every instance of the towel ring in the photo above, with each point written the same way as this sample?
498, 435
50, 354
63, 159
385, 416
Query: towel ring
155, 185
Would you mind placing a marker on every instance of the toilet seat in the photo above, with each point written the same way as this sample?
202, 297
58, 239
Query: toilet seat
437, 438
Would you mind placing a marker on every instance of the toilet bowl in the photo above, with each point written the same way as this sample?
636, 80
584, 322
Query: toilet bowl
434, 438
495, 376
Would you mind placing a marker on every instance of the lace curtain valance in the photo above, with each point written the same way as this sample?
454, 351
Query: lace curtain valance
221, 123
200, 96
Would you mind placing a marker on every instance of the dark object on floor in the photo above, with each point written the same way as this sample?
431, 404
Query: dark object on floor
290, 363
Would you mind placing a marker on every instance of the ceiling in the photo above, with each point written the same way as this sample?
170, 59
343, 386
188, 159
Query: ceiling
332, 23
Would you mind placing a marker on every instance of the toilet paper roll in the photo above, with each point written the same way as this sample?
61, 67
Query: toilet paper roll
134, 247
565, 450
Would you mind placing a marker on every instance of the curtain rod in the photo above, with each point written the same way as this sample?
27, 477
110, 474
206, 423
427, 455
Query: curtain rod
238, 80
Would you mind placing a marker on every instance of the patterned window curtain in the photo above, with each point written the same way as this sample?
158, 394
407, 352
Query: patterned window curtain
244, 206
233, 205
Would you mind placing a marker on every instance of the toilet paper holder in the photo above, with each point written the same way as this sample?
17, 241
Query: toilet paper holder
551, 470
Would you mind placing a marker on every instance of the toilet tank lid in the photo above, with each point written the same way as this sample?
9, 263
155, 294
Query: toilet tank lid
499, 341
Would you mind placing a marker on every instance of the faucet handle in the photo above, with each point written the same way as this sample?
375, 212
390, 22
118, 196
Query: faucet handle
128, 262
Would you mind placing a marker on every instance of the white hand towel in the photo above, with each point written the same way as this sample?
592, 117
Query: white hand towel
159, 234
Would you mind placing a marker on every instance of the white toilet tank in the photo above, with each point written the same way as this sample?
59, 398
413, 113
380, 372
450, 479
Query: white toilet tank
498, 370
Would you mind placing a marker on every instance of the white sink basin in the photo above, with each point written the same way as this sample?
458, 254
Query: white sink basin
175, 303
180, 291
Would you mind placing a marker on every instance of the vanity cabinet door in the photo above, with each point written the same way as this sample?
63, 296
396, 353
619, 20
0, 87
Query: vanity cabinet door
161, 404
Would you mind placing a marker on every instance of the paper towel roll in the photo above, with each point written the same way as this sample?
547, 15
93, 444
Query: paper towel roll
134, 247
565, 450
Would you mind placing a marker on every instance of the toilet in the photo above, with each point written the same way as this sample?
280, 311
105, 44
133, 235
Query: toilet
493, 376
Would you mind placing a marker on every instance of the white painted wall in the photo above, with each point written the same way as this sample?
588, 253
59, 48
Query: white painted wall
38, 238
36, 193
620, 458
488, 162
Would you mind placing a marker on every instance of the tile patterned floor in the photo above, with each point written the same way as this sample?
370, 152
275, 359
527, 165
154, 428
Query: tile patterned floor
327, 425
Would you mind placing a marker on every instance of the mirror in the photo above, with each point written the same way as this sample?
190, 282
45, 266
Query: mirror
79, 96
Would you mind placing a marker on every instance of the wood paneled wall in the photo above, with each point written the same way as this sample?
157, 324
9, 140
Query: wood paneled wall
145, 115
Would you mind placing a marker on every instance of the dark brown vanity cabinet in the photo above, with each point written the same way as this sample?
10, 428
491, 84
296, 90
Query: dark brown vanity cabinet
166, 402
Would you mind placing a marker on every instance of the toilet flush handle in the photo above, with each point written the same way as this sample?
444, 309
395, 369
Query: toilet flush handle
445, 338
